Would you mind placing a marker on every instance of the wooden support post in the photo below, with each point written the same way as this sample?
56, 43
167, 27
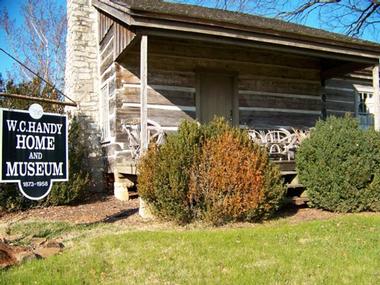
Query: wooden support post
144, 93
376, 95
144, 209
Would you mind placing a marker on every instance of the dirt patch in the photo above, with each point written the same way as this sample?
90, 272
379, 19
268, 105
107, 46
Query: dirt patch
296, 214
106, 209
110, 210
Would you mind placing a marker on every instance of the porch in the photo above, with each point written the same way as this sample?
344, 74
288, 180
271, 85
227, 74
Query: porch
276, 95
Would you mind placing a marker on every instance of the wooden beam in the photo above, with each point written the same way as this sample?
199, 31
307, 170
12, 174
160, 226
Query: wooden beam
252, 44
376, 95
342, 69
37, 99
144, 93
250, 36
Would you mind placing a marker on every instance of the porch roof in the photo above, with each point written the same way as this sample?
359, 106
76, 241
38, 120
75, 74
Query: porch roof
154, 15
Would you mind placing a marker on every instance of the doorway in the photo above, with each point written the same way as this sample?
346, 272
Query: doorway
216, 97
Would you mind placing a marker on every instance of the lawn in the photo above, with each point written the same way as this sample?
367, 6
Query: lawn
343, 250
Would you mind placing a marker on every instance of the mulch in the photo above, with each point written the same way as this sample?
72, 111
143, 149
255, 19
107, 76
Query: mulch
103, 209
108, 209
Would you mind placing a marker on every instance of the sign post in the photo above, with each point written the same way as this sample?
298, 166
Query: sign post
33, 150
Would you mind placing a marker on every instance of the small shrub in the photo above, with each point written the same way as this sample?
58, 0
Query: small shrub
74, 190
12, 200
166, 173
340, 166
234, 180
147, 173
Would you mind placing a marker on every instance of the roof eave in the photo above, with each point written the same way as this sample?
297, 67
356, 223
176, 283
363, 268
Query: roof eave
147, 19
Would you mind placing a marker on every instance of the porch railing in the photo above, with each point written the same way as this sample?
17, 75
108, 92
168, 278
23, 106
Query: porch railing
155, 134
280, 143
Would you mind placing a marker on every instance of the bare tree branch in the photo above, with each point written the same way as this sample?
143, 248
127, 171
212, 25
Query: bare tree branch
352, 17
39, 41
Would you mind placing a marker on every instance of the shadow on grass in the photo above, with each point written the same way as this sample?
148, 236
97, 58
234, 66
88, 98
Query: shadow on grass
122, 215
287, 211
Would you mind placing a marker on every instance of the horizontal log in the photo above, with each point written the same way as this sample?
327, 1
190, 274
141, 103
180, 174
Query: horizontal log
264, 119
166, 118
278, 102
163, 88
130, 75
338, 95
346, 83
315, 97
341, 106
280, 110
162, 97
278, 86
161, 107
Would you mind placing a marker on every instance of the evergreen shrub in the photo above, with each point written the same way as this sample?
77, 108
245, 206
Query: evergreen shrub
179, 183
340, 166
74, 190
164, 173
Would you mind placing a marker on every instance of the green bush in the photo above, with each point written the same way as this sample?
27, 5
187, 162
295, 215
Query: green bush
340, 166
74, 190
12, 200
164, 173
167, 172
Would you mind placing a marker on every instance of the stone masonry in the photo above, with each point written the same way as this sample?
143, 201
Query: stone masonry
81, 78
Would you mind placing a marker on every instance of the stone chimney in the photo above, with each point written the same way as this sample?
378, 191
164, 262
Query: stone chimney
81, 78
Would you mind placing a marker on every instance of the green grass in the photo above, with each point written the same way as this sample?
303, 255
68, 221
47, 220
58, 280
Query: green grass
344, 250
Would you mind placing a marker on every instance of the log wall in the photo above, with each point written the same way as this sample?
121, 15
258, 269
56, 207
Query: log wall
341, 93
274, 90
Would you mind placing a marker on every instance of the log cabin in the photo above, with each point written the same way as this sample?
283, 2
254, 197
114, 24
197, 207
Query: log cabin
138, 68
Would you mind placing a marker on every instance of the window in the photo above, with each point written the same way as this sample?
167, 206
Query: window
365, 108
364, 101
